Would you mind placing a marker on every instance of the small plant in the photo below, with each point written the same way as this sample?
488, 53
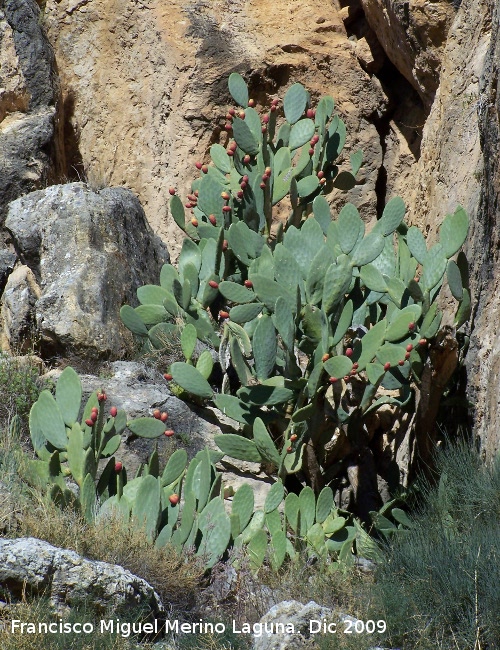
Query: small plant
317, 323
20, 386
70, 447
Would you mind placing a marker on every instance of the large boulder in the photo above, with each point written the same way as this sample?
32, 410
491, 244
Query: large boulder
68, 579
89, 252
28, 99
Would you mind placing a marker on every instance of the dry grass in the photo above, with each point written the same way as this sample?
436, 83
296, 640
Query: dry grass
176, 578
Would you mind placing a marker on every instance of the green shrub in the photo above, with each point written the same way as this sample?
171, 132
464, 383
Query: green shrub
440, 584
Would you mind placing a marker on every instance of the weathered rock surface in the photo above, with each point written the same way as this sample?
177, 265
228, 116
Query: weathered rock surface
18, 309
413, 35
459, 165
89, 252
28, 97
66, 578
147, 86
293, 613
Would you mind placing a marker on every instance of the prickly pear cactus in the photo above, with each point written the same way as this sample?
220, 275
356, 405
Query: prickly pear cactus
321, 324
70, 442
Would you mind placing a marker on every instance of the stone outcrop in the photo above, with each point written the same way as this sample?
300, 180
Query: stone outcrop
147, 87
459, 165
88, 252
28, 98
67, 579
413, 35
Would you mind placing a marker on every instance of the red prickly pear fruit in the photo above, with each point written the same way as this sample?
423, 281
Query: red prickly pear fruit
416, 278
204, 169
224, 245
198, 165
226, 208
347, 379
233, 146
315, 139
99, 396
213, 284
349, 352
355, 366
401, 362
387, 366
268, 171
289, 450
157, 414
320, 174
228, 126
265, 177
194, 222
118, 467
171, 190
293, 437
94, 408
265, 119
113, 411
411, 326
409, 347
325, 357
196, 193
104, 396
322, 181
243, 185
248, 284
311, 151
93, 416
245, 178
212, 219
89, 422
240, 194
246, 159
188, 205
422, 342
407, 356
333, 380
353, 372
229, 117
174, 499
169, 433
251, 102
223, 315
167, 376
232, 111
230, 152
273, 108
263, 129
241, 115
226, 196
275, 101
164, 416
262, 185
309, 113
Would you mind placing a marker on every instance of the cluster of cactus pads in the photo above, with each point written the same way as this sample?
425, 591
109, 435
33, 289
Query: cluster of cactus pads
183, 505
299, 317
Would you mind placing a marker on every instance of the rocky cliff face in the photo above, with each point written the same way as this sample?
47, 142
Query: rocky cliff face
132, 94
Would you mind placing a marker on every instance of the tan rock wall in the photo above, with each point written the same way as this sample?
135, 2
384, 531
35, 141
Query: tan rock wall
145, 85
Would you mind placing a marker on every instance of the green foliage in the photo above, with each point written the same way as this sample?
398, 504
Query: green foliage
72, 445
444, 575
20, 386
354, 306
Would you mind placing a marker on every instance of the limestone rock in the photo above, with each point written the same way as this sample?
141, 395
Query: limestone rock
89, 251
67, 578
28, 97
459, 165
17, 312
291, 612
148, 87
413, 35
